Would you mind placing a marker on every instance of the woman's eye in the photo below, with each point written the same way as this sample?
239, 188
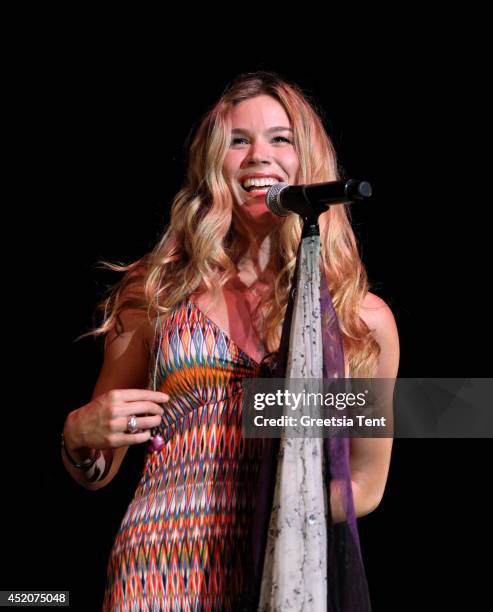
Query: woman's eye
238, 140
243, 140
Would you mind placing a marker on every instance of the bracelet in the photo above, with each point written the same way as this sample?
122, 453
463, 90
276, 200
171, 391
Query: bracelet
80, 466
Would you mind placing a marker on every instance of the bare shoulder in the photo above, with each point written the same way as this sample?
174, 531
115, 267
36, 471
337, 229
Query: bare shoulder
133, 322
376, 313
380, 319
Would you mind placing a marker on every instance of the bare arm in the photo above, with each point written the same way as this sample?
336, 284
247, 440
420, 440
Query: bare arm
370, 457
119, 392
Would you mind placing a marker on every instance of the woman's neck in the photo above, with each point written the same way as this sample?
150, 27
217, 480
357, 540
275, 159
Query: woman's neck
256, 263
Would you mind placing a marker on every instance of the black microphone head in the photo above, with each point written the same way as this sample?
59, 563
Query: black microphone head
273, 199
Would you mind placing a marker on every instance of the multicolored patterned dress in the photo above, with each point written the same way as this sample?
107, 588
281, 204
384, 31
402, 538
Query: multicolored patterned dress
184, 540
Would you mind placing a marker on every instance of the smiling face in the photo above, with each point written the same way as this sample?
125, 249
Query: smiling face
261, 153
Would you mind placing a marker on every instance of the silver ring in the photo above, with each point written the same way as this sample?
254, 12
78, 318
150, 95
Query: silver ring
132, 424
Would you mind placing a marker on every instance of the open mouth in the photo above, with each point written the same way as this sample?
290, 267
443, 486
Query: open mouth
258, 185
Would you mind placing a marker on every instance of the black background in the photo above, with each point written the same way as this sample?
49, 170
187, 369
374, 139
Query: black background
101, 123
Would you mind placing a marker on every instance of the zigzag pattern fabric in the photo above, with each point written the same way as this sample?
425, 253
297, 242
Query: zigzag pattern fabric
183, 543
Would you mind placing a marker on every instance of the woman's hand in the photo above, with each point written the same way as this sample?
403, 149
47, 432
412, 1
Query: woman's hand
102, 423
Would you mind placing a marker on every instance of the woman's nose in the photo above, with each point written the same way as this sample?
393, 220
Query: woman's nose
259, 152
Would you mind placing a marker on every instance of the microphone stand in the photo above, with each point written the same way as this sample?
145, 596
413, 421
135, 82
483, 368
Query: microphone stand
322, 548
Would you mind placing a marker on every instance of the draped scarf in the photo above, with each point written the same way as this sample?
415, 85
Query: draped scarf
301, 559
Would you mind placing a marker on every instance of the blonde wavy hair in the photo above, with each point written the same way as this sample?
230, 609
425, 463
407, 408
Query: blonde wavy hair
199, 243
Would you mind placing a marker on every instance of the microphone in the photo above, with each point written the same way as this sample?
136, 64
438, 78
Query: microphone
311, 200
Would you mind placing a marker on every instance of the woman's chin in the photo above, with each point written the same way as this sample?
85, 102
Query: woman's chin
256, 211
257, 200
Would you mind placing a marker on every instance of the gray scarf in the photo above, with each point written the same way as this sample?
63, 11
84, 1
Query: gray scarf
301, 560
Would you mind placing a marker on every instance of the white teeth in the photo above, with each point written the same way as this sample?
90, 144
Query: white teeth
259, 182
